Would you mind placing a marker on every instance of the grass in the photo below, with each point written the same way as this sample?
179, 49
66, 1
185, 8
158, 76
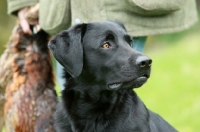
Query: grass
174, 86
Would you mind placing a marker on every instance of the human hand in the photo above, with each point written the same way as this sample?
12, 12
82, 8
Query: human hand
29, 16
23, 22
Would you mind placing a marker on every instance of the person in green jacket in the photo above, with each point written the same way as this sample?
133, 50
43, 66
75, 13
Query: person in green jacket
141, 18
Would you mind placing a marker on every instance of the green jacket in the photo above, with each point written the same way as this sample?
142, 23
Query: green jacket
141, 17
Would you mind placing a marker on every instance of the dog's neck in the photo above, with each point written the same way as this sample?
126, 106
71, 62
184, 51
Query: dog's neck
89, 106
91, 92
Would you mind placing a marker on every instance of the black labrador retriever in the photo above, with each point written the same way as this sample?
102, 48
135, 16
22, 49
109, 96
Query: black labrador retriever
101, 70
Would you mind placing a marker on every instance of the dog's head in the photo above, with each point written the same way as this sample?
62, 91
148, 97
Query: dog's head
101, 52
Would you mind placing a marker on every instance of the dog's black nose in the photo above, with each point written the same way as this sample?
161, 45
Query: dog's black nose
143, 62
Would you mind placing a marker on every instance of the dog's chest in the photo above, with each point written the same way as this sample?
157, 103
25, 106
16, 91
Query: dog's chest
114, 125
118, 113
114, 121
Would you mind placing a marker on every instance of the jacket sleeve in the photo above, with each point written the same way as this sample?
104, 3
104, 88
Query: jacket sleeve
15, 5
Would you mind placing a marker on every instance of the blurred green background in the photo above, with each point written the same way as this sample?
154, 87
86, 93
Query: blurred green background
173, 91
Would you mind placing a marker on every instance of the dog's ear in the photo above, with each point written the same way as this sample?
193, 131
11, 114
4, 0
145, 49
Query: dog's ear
67, 49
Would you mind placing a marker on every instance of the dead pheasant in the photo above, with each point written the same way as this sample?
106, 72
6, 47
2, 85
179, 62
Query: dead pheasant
27, 75
30, 95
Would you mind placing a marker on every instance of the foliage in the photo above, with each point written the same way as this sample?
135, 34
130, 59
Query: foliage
6, 25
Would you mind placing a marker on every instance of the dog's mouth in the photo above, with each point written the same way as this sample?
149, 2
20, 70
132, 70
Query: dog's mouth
132, 83
115, 85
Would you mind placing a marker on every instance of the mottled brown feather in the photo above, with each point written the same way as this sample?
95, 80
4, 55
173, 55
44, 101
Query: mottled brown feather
30, 96
6, 71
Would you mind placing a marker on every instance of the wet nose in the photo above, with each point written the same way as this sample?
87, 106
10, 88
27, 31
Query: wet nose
143, 62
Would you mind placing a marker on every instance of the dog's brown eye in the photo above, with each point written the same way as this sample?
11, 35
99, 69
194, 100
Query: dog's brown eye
106, 45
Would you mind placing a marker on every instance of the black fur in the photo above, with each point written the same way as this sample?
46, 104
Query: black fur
98, 95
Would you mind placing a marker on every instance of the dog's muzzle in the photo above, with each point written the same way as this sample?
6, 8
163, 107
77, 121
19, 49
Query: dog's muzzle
143, 66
